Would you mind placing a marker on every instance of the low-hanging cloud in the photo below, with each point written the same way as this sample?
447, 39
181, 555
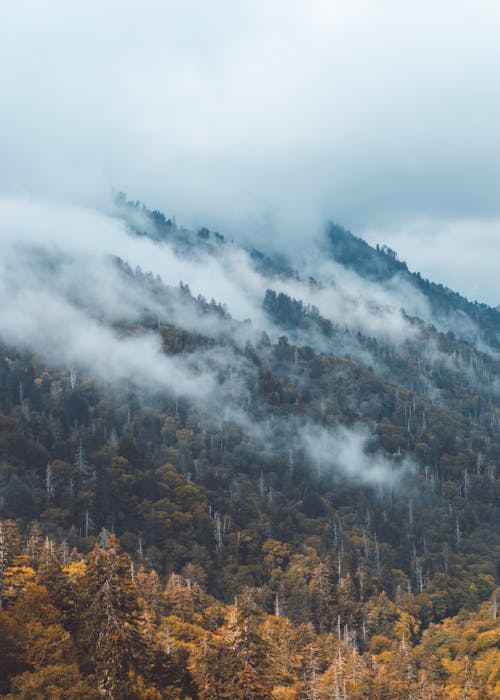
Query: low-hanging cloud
69, 250
39, 321
68, 253
344, 451
343, 297
85, 240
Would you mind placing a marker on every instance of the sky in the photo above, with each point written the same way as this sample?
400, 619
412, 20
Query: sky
265, 119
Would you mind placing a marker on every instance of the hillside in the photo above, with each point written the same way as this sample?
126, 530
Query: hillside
298, 456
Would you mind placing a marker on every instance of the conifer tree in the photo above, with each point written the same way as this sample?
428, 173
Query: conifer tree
51, 575
250, 656
109, 609
10, 547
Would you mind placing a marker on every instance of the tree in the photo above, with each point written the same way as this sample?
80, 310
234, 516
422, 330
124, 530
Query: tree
237, 665
250, 656
10, 547
108, 618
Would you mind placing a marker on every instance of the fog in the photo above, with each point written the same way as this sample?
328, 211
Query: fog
81, 242
345, 452
67, 253
90, 238
42, 322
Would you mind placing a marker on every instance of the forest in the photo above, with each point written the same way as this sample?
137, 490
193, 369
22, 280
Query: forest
301, 502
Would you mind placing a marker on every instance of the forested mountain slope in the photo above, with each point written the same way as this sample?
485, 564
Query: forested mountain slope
299, 456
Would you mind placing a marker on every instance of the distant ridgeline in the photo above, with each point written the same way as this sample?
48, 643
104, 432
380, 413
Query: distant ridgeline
160, 228
381, 264
378, 264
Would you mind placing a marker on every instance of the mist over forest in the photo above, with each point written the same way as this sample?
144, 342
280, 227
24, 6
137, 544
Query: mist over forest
249, 350
92, 293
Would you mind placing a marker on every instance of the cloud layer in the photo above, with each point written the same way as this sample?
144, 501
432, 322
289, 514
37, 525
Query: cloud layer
260, 119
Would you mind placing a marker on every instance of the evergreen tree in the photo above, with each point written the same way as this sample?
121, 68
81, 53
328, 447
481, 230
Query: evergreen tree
10, 547
108, 618
249, 657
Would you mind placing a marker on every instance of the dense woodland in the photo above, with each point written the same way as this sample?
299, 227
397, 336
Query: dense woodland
153, 546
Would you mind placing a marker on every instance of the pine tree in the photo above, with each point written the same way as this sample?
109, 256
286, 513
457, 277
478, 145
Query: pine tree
250, 657
236, 666
51, 575
320, 591
150, 589
10, 547
109, 610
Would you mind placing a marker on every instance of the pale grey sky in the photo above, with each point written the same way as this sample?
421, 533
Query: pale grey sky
262, 117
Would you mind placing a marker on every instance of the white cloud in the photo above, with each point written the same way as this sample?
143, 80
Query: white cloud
259, 118
344, 451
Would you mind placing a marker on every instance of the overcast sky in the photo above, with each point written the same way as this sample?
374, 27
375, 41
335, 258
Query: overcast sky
268, 117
